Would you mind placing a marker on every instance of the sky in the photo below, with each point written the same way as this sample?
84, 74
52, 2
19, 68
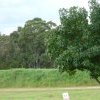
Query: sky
14, 13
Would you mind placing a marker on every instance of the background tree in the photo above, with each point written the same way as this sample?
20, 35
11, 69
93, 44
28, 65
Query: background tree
14, 50
27, 46
32, 43
4, 51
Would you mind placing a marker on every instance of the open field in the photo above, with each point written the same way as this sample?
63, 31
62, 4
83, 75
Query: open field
29, 78
81, 93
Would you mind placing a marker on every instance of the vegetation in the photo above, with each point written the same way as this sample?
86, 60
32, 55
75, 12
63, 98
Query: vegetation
26, 47
43, 78
48, 94
75, 44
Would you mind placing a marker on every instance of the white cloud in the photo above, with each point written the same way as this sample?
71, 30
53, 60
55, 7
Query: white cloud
14, 13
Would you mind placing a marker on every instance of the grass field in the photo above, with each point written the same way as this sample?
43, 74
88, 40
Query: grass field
19, 78
49, 94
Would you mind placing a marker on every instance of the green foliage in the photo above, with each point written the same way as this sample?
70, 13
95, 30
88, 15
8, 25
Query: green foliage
26, 47
31, 42
4, 51
43, 78
76, 43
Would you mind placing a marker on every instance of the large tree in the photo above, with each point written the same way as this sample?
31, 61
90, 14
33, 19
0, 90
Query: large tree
95, 38
75, 44
26, 47
28, 44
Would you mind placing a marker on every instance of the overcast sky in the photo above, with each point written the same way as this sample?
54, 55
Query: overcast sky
14, 13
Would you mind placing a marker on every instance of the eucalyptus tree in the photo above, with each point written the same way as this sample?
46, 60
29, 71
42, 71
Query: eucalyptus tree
32, 43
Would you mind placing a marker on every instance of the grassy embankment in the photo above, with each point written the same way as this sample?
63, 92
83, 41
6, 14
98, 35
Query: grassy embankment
14, 78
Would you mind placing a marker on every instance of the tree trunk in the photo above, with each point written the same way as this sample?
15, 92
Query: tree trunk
97, 80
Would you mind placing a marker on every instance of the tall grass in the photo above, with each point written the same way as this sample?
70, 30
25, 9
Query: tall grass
43, 78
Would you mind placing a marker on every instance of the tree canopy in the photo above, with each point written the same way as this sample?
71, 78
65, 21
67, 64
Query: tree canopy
75, 44
26, 47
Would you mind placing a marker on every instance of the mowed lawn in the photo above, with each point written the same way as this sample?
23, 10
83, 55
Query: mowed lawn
49, 94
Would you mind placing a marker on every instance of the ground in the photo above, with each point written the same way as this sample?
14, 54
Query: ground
75, 93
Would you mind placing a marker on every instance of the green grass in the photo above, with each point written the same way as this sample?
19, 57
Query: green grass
49, 94
43, 78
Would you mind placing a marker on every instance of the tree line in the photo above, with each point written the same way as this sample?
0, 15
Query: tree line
26, 47
72, 45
